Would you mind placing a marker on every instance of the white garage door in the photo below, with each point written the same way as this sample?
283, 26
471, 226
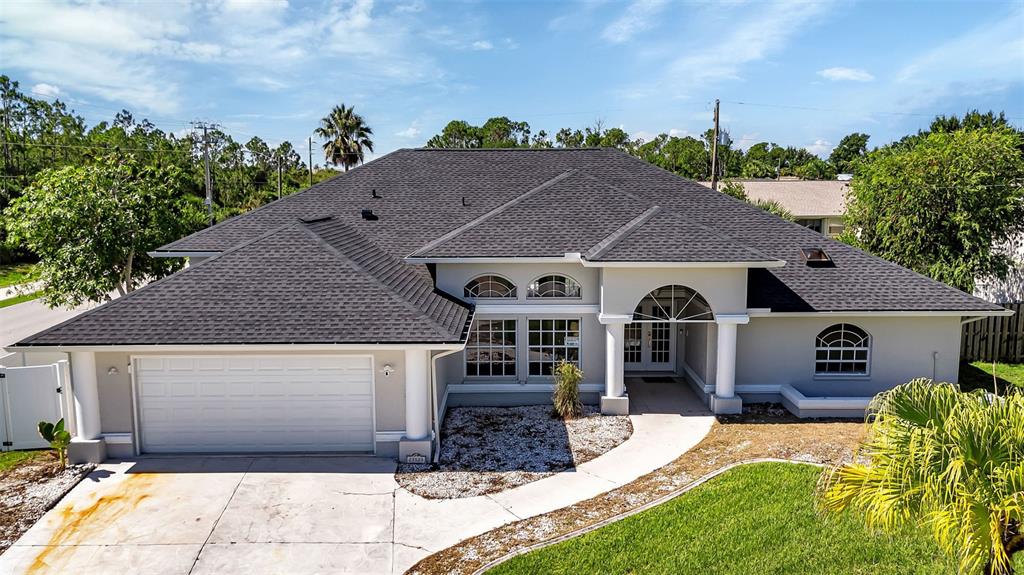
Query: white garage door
255, 403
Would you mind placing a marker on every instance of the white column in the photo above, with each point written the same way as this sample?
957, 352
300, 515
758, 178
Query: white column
417, 394
614, 364
725, 373
85, 390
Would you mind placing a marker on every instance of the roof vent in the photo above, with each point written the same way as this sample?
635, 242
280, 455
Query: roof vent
374, 194
369, 215
816, 258
316, 219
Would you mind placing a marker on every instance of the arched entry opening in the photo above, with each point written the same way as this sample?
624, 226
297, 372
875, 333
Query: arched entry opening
655, 340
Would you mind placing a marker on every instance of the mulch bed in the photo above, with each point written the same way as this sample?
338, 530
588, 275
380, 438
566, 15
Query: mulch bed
764, 431
29, 490
490, 449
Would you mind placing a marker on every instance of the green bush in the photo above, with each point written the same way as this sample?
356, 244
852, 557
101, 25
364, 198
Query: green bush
567, 390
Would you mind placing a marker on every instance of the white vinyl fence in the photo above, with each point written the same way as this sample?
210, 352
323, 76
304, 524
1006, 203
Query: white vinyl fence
29, 395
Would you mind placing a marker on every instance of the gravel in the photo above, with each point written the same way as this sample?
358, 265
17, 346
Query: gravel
490, 449
30, 490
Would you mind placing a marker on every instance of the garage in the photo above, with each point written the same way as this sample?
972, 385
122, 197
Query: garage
248, 404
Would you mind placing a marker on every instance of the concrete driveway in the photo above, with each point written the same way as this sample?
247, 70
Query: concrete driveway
306, 514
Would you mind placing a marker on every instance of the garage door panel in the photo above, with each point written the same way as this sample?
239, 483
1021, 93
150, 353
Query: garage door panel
256, 404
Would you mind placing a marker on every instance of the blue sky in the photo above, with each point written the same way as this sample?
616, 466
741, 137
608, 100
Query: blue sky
797, 73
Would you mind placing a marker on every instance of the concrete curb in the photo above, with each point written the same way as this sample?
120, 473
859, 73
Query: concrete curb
635, 510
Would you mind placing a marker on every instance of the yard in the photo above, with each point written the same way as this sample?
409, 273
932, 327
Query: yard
14, 274
978, 375
31, 482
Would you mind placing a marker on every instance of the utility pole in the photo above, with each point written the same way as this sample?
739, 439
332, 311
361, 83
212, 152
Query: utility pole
206, 166
310, 162
7, 148
279, 176
714, 152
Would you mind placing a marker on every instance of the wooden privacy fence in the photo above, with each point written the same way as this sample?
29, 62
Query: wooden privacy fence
995, 338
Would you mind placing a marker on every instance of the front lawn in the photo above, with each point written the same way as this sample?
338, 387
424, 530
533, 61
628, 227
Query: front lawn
978, 375
14, 274
10, 459
19, 299
757, 518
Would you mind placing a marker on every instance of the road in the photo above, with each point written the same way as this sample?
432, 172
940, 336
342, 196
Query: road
24, 319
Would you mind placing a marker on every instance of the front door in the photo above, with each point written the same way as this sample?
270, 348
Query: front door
649, 346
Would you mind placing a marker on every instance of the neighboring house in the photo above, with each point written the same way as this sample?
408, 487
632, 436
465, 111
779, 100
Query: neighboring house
347, 317
816, 204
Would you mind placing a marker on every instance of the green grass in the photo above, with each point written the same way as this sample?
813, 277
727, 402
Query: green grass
757, 518
12, 459
14, 274
978, 375
19, 299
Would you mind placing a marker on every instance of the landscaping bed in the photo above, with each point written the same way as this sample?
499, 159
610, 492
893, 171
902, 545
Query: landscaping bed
490, 449
765, 431
764, 514
31, 483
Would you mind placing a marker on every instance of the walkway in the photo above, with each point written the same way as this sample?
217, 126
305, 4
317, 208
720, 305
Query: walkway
299, 514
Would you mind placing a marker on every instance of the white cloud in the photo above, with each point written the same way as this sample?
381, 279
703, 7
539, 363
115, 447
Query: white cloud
840, 73
482, 45
44, 89
820, 147
412, 132
637, 17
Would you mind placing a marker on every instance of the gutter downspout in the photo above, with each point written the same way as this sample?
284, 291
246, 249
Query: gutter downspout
433, 401
973, 319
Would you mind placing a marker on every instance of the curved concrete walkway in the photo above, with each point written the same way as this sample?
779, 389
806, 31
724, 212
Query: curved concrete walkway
314, 514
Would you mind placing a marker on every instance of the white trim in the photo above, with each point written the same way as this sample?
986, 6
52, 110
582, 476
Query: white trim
696, 378
732, 318
515, 388
521, 308
802, 401
606, 318
766, 312
183, 254
215, 349
388, 436
764, 264
493, 260
117, 438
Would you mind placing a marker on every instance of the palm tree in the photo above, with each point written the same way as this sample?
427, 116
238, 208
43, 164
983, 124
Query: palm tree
347, 137
951, 460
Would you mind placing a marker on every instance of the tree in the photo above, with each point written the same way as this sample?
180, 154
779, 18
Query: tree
950, 460
851, 149
816, 169
93, 225
734, 189
775, 208
687, 156
939, 205
347, 135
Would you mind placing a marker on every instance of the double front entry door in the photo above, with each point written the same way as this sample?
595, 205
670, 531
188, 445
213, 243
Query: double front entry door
650, 346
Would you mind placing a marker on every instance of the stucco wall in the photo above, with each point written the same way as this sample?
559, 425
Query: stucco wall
780, 350
725, 289
116, 396
452, 278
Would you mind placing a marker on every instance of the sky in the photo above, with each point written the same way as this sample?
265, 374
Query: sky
802, 73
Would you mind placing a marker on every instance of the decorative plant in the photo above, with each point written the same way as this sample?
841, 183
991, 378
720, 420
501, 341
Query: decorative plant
949, 460
567, 390
57, 437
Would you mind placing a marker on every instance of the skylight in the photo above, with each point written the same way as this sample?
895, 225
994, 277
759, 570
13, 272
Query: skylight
816, 257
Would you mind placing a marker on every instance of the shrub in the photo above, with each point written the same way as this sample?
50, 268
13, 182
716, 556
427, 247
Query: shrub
57, 437
567, 390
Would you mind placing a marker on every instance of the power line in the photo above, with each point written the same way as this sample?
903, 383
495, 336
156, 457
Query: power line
859, 112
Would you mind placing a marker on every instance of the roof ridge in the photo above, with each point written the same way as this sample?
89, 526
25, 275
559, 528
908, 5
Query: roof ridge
602, 247
488, 215
386, 284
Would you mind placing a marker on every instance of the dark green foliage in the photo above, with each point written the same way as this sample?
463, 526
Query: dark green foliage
57, 437
851, 149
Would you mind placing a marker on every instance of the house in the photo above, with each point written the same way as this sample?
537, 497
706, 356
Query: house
816, 204
347, 317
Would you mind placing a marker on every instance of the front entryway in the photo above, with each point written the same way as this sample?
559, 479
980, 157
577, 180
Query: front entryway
244, 404
650, 346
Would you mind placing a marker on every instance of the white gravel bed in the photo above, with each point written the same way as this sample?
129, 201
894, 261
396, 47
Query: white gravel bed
25, 497
490, 449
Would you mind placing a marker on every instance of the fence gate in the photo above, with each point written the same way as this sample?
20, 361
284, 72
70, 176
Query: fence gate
29, 395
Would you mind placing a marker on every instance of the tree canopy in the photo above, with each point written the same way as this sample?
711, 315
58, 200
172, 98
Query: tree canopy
347, 137
939, 203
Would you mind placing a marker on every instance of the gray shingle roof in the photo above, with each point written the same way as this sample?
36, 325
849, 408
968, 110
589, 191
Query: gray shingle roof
318, 282
344, 280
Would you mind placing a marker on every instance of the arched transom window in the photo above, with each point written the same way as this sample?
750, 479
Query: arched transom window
490, 286
554, 286
673, 303
842, 349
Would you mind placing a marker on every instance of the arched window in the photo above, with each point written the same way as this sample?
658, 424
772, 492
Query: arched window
842, 349
553, 286
489, 286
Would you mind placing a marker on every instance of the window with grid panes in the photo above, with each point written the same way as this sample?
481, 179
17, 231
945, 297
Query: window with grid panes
491, 348
551, 341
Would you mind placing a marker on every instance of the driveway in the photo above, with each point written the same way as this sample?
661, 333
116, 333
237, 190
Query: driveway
306, 514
